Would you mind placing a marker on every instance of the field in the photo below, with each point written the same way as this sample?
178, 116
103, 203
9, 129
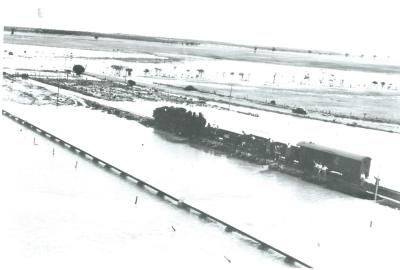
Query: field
322, 227
346, 88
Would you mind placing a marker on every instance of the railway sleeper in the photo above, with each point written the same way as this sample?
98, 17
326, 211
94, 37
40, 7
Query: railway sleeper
160, 194
229, 229
263, 246
290, 260
140, 184
203, 216
183, 205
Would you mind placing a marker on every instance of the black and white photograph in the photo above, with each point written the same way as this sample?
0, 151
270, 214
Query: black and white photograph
208, 134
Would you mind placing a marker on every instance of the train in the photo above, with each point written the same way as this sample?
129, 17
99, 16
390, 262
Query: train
333, 168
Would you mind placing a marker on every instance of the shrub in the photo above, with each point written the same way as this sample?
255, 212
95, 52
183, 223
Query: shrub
131, 83
299, 111
190, 88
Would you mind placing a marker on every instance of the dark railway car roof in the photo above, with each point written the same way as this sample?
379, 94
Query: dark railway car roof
332, 151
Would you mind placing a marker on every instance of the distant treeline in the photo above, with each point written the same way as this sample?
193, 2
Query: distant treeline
100, 35
190, 42
179, 121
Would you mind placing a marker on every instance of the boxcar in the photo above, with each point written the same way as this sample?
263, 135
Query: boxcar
351, 166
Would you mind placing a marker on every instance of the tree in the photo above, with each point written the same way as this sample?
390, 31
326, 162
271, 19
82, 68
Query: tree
241, 74
146, 71
117, 69
201, 71
129, 71
78, 69
96, 37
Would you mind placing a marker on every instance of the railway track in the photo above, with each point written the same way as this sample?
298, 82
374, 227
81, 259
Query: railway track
156, 191
385, 196
384, 192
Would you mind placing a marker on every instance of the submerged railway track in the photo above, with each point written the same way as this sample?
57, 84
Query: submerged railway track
156, 191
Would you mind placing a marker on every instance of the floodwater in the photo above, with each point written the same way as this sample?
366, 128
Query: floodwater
322, 227
60, 211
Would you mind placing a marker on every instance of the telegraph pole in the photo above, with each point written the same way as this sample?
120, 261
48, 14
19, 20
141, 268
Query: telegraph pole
58, 93
230, 97
58, 87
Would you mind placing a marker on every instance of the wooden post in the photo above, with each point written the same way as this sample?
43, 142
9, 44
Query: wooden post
377, 179
228, 260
